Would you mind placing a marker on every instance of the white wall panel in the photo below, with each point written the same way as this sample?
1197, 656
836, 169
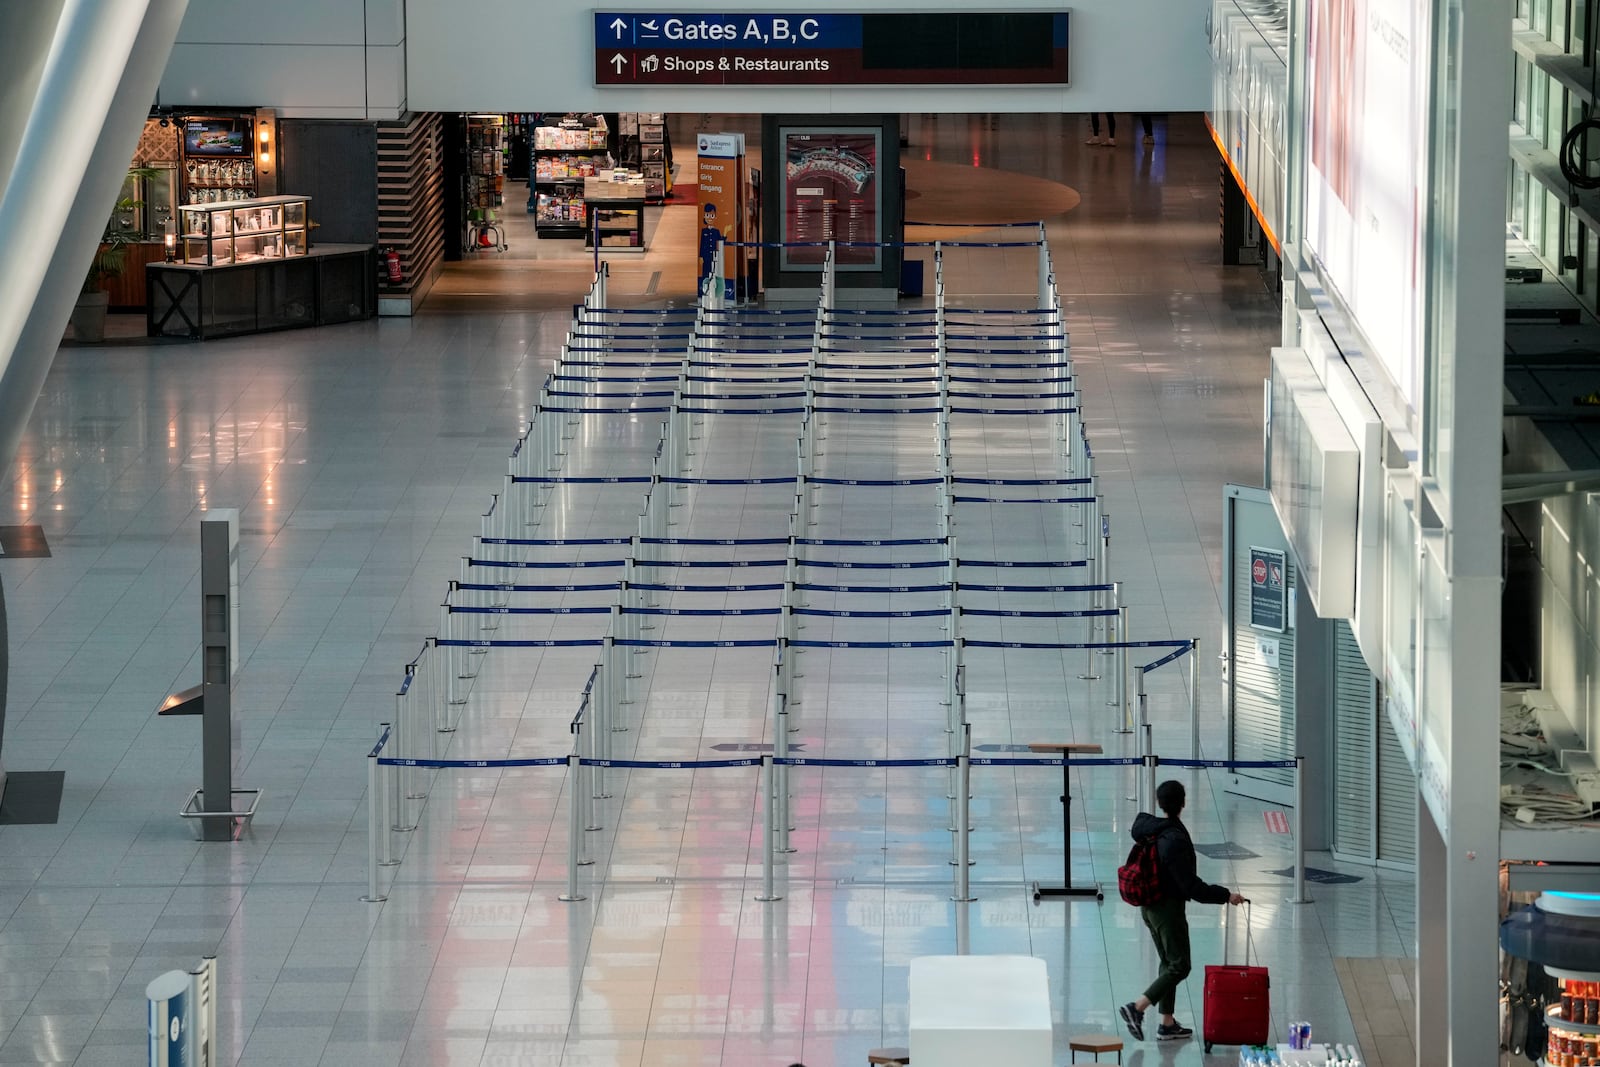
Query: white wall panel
1124, 55
307, 58
326, 79
280, 22
386, 80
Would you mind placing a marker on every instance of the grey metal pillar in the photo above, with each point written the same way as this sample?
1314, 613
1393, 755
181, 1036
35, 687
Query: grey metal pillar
219, 651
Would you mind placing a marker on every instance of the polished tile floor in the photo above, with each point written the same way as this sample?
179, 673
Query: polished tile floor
363, 456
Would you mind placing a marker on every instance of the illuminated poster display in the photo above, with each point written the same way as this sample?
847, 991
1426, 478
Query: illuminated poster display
1367, 113
832, 192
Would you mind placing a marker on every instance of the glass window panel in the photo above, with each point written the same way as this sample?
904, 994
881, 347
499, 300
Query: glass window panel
1434, 670
1400, 599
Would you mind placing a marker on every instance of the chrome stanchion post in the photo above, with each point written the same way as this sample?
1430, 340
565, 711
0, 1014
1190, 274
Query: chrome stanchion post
1117, 635
963, 826
1300, 894
781, 797
374, 829
1194, 698
769, 820
575, 791
388, 793
1147, 737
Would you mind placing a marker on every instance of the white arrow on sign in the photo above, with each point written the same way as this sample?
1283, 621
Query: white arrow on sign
619, 61
618, 25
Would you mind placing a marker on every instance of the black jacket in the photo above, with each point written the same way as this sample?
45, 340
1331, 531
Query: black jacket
1175, 854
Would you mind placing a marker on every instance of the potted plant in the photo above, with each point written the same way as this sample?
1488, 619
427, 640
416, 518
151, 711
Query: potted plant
89, 314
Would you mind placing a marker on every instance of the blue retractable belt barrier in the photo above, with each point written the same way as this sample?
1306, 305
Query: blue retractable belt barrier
548, 761
875, 481
817, 761
1017, 613
543, 479
727, 481
507, 587
460, 609
712, 563
670, 765
541, 564
635, 642
732, 541
1022, 481
701, 611
871, 542
1023, 500
566, 642
837, 410
841, 613
1022, 563
964, 586
1055, 761
553, 542
847, 566
870, 644
1012, 411
666, 587
817, 587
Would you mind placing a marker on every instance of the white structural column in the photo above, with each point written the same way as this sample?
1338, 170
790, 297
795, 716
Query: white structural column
79, 121
104, 67
1458, 862
26, 31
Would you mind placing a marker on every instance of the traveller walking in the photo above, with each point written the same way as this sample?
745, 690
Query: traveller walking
1164, 916
1094, 129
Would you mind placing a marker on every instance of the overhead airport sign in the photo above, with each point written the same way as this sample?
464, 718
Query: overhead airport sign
812, 48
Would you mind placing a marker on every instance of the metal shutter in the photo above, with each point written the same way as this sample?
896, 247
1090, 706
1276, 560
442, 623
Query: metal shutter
1397, 800
1263, 698
1355, 770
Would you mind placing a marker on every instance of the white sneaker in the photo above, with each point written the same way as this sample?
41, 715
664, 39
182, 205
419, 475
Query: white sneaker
1112, 141
1092, 140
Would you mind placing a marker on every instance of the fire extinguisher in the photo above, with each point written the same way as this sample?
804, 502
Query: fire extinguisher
391, 264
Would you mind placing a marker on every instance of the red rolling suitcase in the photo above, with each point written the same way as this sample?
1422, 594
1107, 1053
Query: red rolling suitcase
1235, 998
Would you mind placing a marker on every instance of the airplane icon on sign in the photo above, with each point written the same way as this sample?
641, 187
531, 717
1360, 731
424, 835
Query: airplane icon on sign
649, 28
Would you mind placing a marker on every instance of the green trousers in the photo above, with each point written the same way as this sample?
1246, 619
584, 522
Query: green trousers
1169, 929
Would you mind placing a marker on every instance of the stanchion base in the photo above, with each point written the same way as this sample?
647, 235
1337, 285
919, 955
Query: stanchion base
764, 900
388, 863
1088, 677
374, 900
444, 729
1123, 730
963, 900
952, 863
1053, 891
569, 900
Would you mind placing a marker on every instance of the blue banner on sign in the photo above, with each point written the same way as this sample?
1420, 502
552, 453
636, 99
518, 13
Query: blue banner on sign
658, 29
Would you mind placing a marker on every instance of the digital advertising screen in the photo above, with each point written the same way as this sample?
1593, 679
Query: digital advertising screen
1367, 141
832, 192
215, 137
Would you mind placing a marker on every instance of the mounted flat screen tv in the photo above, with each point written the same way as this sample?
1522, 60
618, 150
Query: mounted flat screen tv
216, 137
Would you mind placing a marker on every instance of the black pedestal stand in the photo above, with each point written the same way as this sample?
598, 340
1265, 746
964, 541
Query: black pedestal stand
1066, 888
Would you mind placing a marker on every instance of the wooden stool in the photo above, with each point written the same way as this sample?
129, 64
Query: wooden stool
1095, 1043
892, 1057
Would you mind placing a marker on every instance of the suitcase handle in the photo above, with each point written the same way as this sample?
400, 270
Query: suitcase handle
1227, 934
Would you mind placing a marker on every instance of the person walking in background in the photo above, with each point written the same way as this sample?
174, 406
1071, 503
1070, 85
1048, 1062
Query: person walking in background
1094, 129
1166, 919
1149, 131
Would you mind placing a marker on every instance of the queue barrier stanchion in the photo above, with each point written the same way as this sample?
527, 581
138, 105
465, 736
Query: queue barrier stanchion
377, 835
963, 827
575, 834
1300, 894
1147, 796
769, 823
1194, 698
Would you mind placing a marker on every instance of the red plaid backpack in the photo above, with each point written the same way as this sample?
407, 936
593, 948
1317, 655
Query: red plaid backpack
1139, 880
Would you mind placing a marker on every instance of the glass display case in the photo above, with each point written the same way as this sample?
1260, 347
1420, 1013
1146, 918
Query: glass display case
244, 231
